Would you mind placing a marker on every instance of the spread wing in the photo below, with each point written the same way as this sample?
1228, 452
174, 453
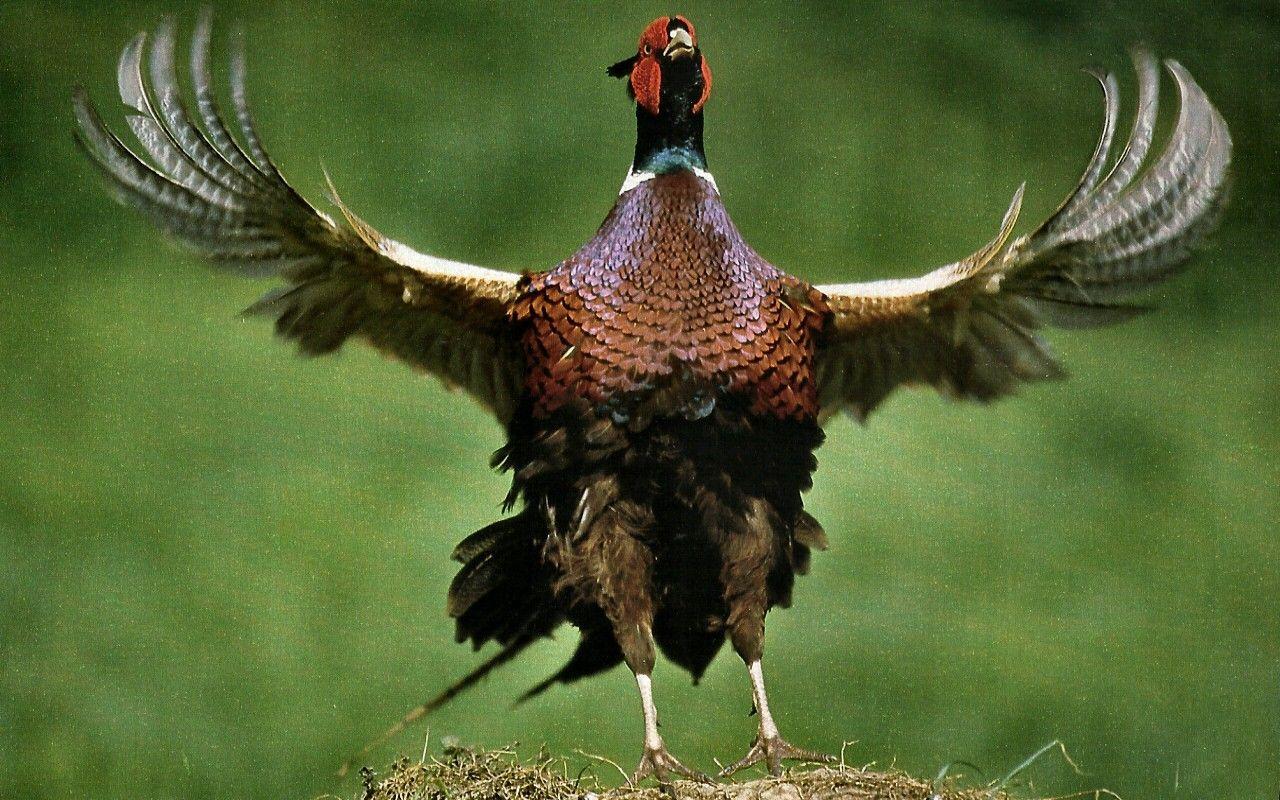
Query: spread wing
970, 328
223, 197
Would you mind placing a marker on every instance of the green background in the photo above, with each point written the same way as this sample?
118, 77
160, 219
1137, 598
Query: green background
224, 566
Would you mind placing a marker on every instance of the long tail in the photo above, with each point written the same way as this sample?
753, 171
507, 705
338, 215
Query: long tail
473, 677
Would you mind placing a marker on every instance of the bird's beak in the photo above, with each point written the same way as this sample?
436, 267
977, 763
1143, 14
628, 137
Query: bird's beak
680, 46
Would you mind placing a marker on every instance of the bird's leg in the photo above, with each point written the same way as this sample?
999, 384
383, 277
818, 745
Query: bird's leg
656, 761
769, 745
751, 553
612, 568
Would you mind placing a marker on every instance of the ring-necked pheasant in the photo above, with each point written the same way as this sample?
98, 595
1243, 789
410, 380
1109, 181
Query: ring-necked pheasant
663, 388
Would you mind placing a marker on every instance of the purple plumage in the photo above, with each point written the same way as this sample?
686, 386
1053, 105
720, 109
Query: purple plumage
667, 309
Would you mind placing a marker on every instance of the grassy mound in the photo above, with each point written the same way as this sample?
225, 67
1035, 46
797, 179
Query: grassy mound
465, 774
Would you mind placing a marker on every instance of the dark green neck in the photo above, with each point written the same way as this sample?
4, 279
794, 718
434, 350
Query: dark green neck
672, 139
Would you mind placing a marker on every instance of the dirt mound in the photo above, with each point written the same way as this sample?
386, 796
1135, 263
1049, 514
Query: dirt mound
465, 774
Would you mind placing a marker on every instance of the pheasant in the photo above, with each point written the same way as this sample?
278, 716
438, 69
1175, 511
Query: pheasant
664, 388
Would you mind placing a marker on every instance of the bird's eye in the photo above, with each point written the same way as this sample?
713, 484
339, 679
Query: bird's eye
648, 50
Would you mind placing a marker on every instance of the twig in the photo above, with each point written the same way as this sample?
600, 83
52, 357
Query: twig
613, 764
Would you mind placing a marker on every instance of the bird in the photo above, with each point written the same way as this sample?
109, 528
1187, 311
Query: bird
664, 388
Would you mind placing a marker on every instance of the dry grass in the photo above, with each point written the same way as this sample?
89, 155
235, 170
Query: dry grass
465, 774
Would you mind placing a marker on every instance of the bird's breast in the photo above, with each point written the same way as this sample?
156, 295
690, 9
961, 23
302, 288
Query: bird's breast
666, 310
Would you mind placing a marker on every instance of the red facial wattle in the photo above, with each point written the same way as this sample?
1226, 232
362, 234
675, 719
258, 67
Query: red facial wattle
706, 87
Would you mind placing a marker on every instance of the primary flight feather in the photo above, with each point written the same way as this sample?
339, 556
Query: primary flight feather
663, 388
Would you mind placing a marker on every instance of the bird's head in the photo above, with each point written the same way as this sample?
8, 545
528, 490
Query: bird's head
668, 74
670, 82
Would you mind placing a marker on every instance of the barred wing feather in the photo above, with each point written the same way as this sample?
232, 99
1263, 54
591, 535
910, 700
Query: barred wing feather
971, 329
223, 197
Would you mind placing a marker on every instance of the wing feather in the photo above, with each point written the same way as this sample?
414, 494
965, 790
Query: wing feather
971, 328
219, 193
1093, 172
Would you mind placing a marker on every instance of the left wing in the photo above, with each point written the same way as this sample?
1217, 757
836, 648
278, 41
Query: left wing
969, 329
220, 194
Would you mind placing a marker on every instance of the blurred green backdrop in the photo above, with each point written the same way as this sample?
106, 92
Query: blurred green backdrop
224, 566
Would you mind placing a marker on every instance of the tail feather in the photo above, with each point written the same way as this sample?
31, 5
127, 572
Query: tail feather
496, 534
503, 590
502, 593
461, 685
596, 652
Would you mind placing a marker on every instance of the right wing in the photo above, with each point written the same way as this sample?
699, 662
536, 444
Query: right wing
970, 329
227, 200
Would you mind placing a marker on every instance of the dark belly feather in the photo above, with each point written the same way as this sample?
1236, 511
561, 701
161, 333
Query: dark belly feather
608, 506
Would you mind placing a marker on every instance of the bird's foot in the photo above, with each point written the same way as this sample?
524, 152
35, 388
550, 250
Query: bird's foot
772, 750
659, 763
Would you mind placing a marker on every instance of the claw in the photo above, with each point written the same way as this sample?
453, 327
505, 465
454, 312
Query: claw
773, 750
659, 763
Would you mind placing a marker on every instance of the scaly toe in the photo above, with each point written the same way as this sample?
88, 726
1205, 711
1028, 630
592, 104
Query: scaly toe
773, 751
659, 763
